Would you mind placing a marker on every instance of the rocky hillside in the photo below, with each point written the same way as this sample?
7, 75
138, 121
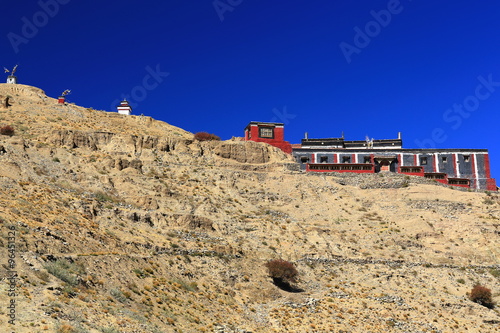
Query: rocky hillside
127, 224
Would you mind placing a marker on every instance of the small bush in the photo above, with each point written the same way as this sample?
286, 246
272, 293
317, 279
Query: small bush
488, 201
7, 130
103, 197
42, 275
66, 271
118, 295
495, 272
189, 286
283, 270
109, 330
204, 136
481, 295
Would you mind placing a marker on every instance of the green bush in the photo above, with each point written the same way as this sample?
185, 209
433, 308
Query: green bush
481, 295
495, 272
66, 271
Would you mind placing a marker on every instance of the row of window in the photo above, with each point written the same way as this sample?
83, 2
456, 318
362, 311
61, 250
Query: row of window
367, 159
411, 169
324, 159
435, 176
444, 159
339, 167
459, 182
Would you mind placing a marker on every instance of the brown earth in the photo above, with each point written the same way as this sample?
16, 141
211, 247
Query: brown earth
127, 224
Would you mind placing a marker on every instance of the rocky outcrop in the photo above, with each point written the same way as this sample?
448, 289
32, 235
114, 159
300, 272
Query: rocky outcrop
5, 102
196, 222
121, 164
247, 152
78, 139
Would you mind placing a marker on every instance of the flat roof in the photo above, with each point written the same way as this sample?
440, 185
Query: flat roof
392, 150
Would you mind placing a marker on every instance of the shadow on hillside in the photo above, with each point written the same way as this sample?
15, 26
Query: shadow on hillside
286, 286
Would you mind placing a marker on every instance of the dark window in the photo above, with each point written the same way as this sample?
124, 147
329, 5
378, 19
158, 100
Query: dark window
423, 160
368, 159
346, 159
323, 159
466, 158
266, 132
304, 159
444, 159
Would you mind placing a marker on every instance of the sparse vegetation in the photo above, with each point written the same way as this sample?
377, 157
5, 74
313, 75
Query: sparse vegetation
481, 295
66, 271
103, 197
488, 201
368, 258
42, 275
118, 295
109, 330
495, 272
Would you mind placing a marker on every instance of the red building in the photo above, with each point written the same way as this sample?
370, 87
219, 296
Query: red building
271, 133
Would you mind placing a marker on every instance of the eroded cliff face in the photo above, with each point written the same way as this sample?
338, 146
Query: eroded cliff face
147, 145
114, 143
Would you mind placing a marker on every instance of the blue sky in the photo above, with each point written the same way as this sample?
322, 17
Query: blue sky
427, 69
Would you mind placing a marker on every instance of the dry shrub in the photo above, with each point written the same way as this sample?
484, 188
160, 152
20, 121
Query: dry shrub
7, 130
481, 295
283, 270
204, 136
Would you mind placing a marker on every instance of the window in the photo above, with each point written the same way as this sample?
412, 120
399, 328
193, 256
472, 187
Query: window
323, 159
266, 132
368, 159
346, 159
423, 160
466, 158
304, 159
444, 159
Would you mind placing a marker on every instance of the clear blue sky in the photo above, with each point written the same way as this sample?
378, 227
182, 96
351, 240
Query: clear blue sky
362, 67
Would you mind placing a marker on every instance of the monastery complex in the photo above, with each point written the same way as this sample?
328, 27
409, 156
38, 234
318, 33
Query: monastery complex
469, 168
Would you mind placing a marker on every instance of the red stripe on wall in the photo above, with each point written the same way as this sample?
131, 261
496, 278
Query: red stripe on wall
487, 170
415, 160
434, 163
335, 158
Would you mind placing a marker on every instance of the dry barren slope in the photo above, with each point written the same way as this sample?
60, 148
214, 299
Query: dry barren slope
125, 224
